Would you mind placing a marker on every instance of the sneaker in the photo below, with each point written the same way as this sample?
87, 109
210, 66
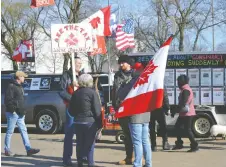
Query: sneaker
32, 151
9, 154
193, 149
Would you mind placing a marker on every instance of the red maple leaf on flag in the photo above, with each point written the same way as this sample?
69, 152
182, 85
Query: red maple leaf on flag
94, 22
143, 78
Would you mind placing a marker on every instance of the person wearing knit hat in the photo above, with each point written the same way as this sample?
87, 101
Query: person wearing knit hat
122, 76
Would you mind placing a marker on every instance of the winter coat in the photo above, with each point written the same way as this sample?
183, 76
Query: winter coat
85, 106
67, 86
119, 78
14, 98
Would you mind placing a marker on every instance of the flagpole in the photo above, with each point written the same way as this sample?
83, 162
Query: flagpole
109, 68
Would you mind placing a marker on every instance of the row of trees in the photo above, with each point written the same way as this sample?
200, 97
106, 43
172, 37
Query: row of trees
152, 25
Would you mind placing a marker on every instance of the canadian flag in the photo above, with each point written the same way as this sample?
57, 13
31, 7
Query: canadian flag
147, 92
41, 3
23, 51
100, 22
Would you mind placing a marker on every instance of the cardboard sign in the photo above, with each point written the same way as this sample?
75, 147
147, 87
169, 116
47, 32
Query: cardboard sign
70, 38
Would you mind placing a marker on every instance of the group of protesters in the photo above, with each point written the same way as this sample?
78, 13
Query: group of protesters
83, 116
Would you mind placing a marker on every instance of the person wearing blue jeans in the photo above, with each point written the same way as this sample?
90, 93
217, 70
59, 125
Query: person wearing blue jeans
139, 128
15, 113
141, 143
69, 130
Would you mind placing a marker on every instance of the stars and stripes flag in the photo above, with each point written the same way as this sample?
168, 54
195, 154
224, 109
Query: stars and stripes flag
125, 35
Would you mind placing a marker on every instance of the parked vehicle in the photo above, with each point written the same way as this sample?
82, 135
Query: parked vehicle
44, 107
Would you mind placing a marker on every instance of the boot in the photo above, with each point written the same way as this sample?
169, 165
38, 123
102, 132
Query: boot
166, 145
194, 148
126, 161
178, 146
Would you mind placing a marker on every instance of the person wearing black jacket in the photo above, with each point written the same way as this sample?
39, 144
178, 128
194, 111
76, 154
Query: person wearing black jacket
15, 113
122, 76
159, 116
67, 86
85, 107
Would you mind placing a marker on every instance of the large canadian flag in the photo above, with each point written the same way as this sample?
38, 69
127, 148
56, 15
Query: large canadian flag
147, 92
100, 22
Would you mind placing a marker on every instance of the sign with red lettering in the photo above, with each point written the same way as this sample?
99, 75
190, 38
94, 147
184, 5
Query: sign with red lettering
69, 38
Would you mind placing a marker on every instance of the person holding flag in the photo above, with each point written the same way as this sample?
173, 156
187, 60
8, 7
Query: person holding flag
67, 86
138, 125
145, 95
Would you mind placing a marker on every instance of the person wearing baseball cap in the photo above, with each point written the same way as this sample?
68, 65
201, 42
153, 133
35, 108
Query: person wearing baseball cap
15, 113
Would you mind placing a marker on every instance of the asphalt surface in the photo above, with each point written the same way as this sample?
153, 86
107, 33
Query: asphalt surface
212, 153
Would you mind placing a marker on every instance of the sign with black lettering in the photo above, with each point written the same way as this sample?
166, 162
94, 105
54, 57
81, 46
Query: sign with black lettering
218, 96
218, 77
206, 96
193, 75
169, 77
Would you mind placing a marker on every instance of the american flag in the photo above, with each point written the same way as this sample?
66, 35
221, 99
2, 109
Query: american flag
125, 35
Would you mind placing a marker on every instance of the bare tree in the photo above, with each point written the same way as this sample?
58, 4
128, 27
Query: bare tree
66, 11
18, 22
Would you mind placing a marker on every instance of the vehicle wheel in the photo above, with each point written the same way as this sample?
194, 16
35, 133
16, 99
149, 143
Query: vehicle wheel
201, 125
46, 121
120, 137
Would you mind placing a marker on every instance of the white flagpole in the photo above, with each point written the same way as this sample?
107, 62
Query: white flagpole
73, 67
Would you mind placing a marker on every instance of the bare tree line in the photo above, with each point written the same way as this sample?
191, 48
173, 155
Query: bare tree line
152, 25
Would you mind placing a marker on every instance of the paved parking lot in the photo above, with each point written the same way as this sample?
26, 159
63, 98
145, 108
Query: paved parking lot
107, 153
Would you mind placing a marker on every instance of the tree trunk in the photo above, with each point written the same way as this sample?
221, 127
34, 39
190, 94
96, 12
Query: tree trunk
66, 60
181, 39
15, 66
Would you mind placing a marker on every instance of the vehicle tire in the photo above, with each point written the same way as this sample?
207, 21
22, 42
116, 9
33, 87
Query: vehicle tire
201, 125
47, 122
120, 137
